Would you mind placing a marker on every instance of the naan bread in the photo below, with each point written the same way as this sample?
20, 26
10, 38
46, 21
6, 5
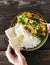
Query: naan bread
10, 33
16, 41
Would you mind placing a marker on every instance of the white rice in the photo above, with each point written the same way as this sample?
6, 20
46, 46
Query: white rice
28, 40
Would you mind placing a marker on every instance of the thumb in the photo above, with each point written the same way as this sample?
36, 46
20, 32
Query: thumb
18, 53
21, 58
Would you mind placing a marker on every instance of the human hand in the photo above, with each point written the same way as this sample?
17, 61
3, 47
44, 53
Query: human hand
48, 26
15, 57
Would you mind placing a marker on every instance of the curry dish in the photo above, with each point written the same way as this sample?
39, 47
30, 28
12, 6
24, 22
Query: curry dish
29, 20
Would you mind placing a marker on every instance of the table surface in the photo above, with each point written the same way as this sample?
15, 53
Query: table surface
8, 9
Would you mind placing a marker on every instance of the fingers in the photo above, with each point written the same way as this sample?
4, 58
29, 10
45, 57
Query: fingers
9, 55
15, 57
18, 49
18, 53
9, 48
48, 26
21, 58
9, 51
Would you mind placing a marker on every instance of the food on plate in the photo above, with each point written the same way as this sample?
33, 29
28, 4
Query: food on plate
26, 31
30, 22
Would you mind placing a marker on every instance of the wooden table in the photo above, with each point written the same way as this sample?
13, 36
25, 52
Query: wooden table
7, 11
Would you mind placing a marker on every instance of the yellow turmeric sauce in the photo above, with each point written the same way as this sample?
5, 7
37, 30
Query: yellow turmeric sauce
29, 22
